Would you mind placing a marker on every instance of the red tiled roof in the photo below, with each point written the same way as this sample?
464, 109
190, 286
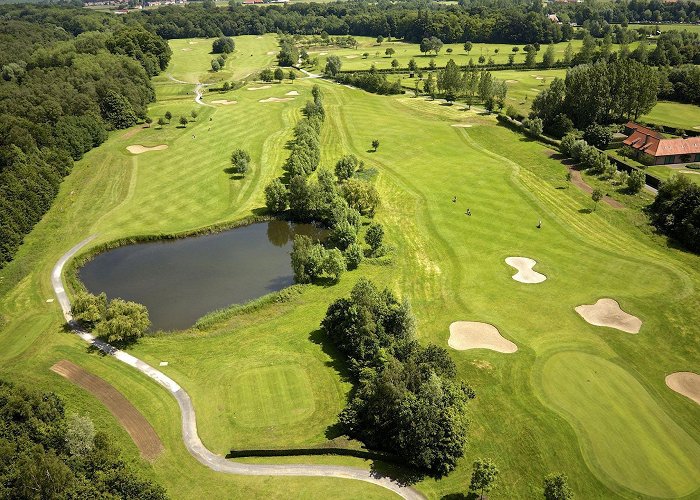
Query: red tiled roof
655, 146
644, 130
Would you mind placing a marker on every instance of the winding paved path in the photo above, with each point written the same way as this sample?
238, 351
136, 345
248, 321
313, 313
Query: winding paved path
189, 422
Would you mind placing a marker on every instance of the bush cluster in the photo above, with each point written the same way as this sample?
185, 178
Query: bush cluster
118, 320
406, 400
371, 81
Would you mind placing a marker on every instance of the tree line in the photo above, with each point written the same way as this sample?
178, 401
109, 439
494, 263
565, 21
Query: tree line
334, 200
405, 400
59, 95
48, 454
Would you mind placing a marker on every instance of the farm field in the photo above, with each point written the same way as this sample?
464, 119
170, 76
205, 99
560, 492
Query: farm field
556, 404
694, 28
353, 59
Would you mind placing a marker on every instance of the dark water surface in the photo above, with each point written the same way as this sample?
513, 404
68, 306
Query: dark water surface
181, 280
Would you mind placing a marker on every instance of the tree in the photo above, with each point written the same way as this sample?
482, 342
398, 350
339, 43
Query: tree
276, 196
148, 121
223, 45
556, 487
361, 195
483, 476
412, 65
515, 49
124, 321
450, 81
279, 74
292, 75
215, 66
374, 237
568, 54
636, 181
468, 47
534, 125
353, 256
334, 263
596, 196
239, 161
598, 136
168, 116
184, 121
430, 86
676, 211
380, 39
482, 59
375, 144
395, 63
346, 167
530, 56
548, 57
194, 114
267, 75
117, 110
333, 65
80, 435
88, 309
550, 102
511, 59
161, 121
389, 51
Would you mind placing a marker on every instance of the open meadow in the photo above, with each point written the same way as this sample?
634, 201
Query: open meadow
586, 400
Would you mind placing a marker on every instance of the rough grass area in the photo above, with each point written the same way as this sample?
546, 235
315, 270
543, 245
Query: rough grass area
626, 434
675, 114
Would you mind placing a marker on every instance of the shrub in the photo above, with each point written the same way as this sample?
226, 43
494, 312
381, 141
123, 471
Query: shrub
223, 45
276, 196
240, 160
598, 136
636, 181
374, 237
353, 256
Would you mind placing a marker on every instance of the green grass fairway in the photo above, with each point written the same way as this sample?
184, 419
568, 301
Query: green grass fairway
693, 28
192, 58
619, 407
663, 172
265, 377
353, 59
674, 114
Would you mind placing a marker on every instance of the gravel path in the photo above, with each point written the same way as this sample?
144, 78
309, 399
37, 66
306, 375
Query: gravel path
189, 422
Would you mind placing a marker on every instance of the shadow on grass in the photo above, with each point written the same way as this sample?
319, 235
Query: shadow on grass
585, 211
402, 475
336, 362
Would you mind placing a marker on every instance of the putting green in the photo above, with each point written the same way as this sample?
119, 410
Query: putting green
268, 396
625, 435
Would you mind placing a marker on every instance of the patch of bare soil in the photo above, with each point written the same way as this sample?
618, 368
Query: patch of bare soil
129, 417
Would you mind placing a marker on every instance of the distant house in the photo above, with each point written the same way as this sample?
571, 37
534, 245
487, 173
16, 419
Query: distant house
653, 148
553, 18
252, 2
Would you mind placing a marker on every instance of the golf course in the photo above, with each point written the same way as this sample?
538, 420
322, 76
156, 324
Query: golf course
555, 392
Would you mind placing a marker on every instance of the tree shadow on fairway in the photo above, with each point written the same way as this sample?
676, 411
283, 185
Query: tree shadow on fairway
319, 338
461, 496
403, 475
236, 176
585, 211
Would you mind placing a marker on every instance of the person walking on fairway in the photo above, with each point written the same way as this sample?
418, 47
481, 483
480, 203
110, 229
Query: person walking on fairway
469, 212
539, 224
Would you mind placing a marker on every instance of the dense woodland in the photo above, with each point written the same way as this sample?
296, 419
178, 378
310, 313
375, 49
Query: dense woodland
46, 454
60, 93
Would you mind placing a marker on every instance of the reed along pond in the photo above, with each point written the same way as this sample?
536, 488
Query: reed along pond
181, 280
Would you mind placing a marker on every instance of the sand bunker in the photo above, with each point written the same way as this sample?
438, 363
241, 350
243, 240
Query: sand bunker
474, 335
192, 43
511, 81
462, 125
260, 88
277, 99
351, 57
271, 53
685, 383
607, 312
525, 273
292, 92
224, 102
322, 53
186, 49
137, 149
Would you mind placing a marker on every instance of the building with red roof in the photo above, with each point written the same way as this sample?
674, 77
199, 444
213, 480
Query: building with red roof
653, 148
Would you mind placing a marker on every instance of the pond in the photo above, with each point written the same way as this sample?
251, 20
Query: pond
181, 280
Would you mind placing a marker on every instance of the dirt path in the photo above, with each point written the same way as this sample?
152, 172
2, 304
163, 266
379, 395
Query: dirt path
190, 436
578, 181
129, 417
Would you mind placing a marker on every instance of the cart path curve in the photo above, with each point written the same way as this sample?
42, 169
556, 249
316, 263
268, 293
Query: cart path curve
189, 423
